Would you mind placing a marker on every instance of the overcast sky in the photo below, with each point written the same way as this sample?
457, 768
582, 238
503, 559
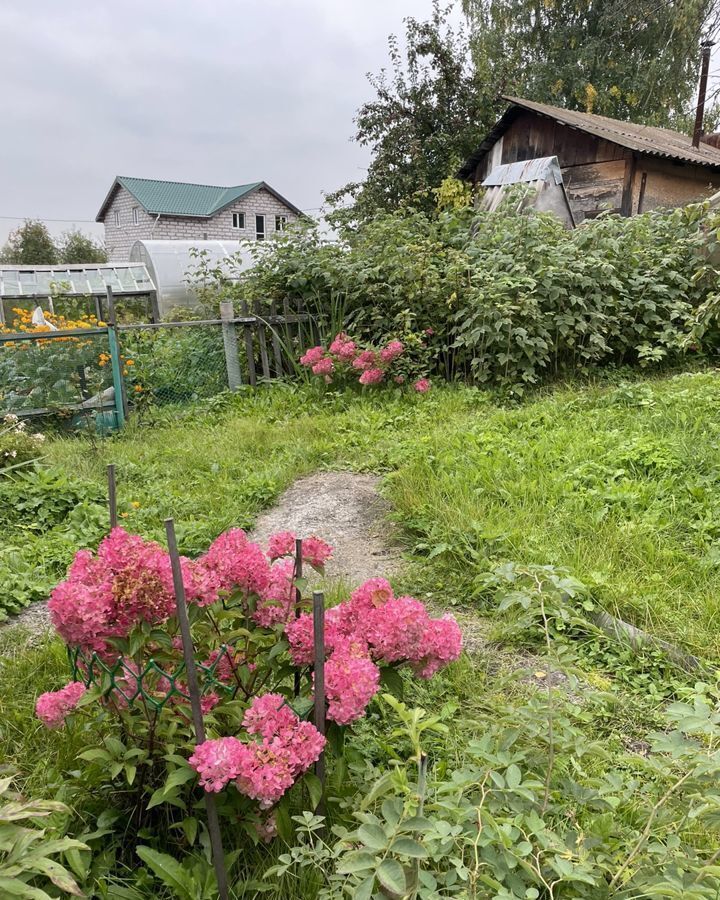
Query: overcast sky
212, 91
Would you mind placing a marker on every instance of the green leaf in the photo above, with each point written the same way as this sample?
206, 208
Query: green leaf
359, 861
364, 890
373, 837
13, 887
315, 789
391, 876
406, 846
513, 776
170, 872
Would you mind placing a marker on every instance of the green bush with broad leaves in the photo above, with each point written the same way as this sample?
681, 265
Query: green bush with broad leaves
506, 298
535, 810
30, 866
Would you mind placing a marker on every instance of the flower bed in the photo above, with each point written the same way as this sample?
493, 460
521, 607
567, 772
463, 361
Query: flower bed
251, 633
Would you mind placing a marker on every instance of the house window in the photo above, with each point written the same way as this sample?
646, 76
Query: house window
136, 216
280, 223
260, 228
117, 217
238, 220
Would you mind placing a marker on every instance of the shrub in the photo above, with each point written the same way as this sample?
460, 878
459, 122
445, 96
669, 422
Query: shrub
509, 298
116, 612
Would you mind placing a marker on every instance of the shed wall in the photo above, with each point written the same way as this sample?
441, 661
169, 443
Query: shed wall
594, 169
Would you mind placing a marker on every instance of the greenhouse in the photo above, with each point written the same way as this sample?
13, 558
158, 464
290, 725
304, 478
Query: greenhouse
19, 284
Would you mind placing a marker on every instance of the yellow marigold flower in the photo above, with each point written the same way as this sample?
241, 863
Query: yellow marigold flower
129, 362
135, 504
138, 388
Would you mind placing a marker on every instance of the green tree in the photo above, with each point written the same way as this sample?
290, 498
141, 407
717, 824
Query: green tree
634, 60
30, 244
628, 59
76, 247
428, 114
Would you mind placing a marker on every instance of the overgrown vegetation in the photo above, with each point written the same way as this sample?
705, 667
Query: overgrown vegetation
507, 299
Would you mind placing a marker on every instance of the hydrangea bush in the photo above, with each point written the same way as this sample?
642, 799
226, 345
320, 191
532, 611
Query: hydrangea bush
345, 360
252, 633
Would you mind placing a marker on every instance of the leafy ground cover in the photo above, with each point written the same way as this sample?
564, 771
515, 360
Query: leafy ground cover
527, 519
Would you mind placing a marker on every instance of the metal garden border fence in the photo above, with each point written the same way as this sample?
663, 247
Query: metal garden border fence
251, 347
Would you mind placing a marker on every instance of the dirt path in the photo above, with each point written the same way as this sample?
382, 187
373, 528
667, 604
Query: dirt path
343, 508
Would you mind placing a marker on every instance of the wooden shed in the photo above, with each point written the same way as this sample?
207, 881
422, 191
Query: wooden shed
606, 164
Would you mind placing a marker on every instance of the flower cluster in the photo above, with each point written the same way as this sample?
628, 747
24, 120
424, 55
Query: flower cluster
129, 581
52, 708
367, 365
261, 769
373, 627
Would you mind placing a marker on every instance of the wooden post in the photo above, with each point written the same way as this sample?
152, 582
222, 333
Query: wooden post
298, 597
276, 343
115, 363
232, 361
262, 343
319, 654
627, 191
112, 496
218, 854
249, 349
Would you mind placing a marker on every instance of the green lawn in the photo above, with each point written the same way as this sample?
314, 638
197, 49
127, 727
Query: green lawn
620, 485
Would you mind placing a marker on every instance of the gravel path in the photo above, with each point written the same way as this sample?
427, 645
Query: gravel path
343, 508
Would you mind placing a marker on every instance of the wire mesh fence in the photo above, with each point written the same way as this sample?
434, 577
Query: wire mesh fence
97, 375
65, 375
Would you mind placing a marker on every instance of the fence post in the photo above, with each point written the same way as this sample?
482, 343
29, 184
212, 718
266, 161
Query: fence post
216, 845
319, 686
115, 364
232, 360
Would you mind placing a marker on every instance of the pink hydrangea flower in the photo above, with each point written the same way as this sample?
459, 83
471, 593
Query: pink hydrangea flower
52, 707
365, 360
324, 367
219, 761
262, 770
343, 347
372, 593
268, 716
313, 356
441, 644
282, 543
351, 681
276, 601
399, 379
391, 352
422, 386
372, 376
105, 596
316, 552
232, 562
396, 629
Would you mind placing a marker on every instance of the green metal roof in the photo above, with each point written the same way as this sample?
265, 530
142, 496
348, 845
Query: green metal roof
176, 198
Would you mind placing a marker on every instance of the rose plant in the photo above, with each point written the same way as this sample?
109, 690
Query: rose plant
252, 632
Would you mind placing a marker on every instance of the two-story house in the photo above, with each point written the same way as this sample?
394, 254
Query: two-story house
146, 209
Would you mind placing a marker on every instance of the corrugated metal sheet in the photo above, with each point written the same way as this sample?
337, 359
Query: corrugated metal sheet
648, 139
545, 168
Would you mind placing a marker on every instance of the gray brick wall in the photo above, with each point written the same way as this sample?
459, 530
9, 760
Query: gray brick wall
120, 238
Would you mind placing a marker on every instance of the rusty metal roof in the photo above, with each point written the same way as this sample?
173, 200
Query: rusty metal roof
646, 139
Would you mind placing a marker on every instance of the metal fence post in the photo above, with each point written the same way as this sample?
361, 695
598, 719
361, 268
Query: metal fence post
319, 670
115, 363
232, 360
